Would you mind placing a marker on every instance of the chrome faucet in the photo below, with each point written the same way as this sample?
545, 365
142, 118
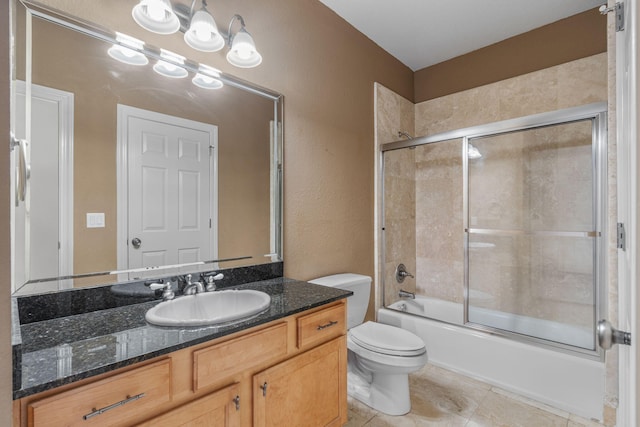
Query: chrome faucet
191, 288
406, 294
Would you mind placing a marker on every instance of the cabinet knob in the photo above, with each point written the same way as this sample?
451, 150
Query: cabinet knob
236, 400
264, 389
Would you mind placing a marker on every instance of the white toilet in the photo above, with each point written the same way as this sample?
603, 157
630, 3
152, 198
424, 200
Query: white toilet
380, 356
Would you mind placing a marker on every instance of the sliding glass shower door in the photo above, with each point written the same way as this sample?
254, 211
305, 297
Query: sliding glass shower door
532, 233
501, 227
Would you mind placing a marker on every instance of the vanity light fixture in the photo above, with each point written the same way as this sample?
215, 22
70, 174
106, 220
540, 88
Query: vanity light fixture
203, 32
128, 51
243, 51
170, 65
207, 78
156, 16
200, 29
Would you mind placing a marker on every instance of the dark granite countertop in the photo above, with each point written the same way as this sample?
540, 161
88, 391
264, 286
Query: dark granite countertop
62, 350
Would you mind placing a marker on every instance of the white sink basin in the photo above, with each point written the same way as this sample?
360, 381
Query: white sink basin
208, 308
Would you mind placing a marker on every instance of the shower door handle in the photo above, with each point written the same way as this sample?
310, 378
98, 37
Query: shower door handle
608, 335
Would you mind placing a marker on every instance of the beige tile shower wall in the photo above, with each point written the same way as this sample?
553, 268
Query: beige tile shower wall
560, 189
393, 114
400, 220
439, 231
496, 267
539, 179
575, 83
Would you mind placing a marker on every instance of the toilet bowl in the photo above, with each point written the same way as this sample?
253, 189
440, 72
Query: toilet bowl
380, 357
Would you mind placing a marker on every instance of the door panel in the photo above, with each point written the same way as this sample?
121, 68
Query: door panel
170, 189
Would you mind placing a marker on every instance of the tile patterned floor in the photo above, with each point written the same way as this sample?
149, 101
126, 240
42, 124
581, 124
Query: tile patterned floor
443, 398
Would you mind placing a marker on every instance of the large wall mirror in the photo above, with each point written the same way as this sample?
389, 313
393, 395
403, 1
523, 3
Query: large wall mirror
122, 173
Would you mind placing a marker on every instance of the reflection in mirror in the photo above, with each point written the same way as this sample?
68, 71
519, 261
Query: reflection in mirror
133, 170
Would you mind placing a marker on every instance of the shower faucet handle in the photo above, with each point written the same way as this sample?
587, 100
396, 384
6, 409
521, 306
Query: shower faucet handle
402, 273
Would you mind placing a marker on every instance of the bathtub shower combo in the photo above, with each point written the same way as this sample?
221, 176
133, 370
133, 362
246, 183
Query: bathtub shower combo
503, 228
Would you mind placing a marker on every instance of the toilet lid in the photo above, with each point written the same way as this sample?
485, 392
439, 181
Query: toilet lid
387, 339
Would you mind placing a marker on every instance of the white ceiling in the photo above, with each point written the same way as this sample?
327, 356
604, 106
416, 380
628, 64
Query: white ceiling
421, 33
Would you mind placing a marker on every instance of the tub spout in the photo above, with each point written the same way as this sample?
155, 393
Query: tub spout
406, 294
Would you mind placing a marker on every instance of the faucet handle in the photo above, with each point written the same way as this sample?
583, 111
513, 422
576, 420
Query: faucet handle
210, 278
167, 291
402, 273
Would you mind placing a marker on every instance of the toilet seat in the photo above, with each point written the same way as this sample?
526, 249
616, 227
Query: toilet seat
387, 339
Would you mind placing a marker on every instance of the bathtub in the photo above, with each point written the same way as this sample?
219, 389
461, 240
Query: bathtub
568, 382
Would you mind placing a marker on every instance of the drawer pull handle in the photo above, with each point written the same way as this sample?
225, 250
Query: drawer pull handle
264, 389
327, 325
236, 400
113, 406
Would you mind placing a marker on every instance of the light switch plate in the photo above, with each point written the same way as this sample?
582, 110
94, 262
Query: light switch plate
95, 220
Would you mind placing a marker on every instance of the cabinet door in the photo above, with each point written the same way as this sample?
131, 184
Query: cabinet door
218, 409
307, 390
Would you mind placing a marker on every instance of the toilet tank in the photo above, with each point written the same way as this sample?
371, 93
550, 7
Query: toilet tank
358, 303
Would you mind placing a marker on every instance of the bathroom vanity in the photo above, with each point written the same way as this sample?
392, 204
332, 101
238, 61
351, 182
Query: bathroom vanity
286, 366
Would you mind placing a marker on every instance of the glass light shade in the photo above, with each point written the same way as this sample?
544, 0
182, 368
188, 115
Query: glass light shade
156, 16
127, 55
168, 65
128, 51
243, 51
206, 82
203, 33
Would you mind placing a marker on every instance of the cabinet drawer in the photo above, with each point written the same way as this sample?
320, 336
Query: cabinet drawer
220, 361
111, 401
220, 408
321, 326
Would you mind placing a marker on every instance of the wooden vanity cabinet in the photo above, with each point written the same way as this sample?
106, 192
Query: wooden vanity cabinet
306, 390
290, 372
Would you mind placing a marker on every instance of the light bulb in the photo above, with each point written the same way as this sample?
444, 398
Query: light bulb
202, 32
243, 51
155, 11
156, 16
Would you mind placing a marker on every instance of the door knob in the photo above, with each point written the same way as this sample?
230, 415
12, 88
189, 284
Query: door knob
608, 335
135, 242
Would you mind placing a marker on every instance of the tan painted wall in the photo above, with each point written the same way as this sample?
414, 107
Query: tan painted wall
562, 41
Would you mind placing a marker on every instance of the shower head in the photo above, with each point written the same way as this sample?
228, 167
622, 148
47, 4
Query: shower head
403, 134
